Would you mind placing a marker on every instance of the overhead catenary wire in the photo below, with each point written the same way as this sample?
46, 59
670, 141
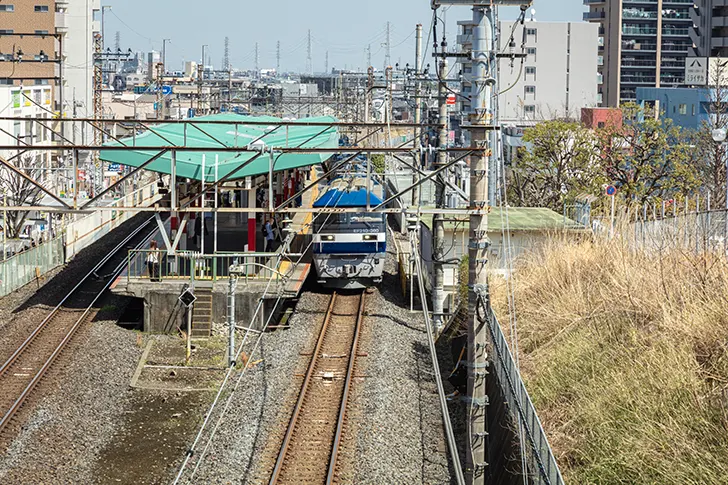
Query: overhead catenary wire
228, 374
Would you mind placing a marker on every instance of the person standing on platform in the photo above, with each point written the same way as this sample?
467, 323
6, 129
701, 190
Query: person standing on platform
153, 261
268, 236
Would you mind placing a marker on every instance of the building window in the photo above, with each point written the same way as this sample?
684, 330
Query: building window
531, 70
529, 90
7, 8
683, 109
41, 32
600, 60
531, 51
531, 32
41, 8
5, 81
693, 109
529, 110
41, 82
6, 31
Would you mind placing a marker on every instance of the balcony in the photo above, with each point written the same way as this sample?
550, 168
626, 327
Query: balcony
593, 15
593, 2
638, 63
636, 13
675, 32
677, 2
638, 80
61, 23
638, 46
632, 30
676, 47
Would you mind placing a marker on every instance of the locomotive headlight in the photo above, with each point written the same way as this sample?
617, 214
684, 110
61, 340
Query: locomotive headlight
327, 238
370, 237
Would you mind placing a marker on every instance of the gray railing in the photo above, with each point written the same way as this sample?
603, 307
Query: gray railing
26, 266
540, 459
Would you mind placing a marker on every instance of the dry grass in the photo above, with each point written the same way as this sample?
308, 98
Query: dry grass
626, 358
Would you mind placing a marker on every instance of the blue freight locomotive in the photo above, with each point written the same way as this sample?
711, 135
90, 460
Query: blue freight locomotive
349, 247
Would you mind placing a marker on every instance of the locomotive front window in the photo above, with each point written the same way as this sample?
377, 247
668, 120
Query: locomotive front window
357, 222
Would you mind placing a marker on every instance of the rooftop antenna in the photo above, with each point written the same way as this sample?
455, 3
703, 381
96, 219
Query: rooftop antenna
533, 15
327, 62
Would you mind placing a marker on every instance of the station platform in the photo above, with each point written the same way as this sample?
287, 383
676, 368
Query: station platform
205, 266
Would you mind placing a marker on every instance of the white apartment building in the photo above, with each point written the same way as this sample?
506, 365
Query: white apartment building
556, 79
80, 27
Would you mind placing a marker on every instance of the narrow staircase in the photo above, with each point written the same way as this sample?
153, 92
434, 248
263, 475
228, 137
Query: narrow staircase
202, 314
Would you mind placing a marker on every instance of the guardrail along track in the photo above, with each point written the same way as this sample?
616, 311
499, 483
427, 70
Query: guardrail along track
311, 443
26, 366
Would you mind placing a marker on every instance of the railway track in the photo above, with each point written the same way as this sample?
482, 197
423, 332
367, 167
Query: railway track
25, 368
312, 441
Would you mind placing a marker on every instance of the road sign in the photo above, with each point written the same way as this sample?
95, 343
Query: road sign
696, 71
114, 167
611, 190
187, 298
450, 99
166, 90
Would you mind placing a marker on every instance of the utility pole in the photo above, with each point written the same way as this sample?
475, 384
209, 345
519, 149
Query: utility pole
369, 55
478, 294
278, 58
309, 62
438, 226
160, 95
388, 45
418, 111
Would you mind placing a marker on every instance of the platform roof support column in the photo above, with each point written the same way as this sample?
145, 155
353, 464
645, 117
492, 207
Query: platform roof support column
217, 199
250, 188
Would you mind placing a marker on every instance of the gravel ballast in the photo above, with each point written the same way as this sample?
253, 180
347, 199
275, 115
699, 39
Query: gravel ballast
78, 413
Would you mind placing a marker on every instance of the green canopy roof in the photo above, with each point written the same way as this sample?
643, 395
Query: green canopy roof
537, 219
189, 164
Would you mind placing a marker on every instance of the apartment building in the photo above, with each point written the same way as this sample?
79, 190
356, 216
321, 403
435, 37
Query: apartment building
642, 43
556, 79
709, 32
37, 36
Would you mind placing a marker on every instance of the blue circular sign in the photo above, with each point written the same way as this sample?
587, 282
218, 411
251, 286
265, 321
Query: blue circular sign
611, 190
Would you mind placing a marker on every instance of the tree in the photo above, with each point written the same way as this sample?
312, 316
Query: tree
559, 162
18, 191
648, 157
712, 162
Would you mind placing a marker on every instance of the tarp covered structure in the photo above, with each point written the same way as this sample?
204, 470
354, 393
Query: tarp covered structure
231, 134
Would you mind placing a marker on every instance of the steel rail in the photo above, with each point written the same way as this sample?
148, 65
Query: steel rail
345, 396
69, 334
299, 403
53, 312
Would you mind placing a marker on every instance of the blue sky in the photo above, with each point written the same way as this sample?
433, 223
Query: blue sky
342, 30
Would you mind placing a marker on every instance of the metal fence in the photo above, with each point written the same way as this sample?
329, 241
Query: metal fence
26, 266
694, 231
540, 459
199, 267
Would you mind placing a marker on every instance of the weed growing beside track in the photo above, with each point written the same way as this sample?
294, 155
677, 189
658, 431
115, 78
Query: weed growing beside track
625, 355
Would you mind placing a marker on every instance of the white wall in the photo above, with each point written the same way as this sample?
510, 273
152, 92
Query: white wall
78, 70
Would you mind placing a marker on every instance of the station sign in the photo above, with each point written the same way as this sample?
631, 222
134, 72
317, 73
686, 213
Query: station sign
450, 99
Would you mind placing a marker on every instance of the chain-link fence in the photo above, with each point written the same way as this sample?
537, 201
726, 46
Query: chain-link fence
30, 264
540, 460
